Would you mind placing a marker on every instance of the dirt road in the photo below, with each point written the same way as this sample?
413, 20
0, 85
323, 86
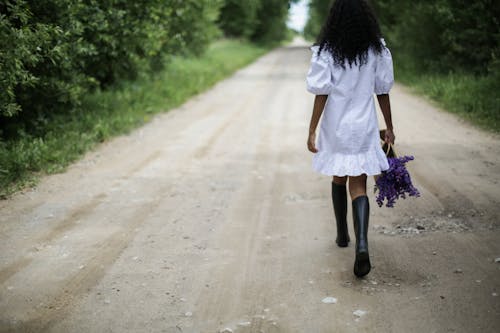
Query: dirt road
210, 217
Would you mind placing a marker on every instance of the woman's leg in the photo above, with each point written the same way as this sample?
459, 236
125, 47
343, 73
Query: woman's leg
360, 213
339, 199
339, 180
357, 186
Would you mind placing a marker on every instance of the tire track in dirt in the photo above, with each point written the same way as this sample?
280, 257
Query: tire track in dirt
63, 226
235, 119
95, 268
111, 248
240, 276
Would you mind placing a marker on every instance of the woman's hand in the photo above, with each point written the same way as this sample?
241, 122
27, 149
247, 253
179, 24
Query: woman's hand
389, 136
319, 105
311, 143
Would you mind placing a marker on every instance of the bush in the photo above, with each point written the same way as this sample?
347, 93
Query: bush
57, 55
38, 71
132, 36
54, 51
443, 35
239, 18
318, 12
263, 21
449, 50
271, 26
106, 113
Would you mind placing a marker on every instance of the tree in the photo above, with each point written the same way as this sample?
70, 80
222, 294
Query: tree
318, 12
272, 16
260, 20
239, 18
52, 52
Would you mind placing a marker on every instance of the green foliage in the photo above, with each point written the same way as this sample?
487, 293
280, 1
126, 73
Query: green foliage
443, 35
318, 12
448, 50
239, 18
272, 16
128, 35
57, 55
106, 113
37, 68
54, 51
260, 20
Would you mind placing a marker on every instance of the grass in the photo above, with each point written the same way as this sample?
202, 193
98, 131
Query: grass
106, 114
472, 97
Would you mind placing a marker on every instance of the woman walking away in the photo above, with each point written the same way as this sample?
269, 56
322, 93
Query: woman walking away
350, 63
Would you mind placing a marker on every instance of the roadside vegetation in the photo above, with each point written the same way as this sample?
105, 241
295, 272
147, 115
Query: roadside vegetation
74, 73
107, 113
448, 50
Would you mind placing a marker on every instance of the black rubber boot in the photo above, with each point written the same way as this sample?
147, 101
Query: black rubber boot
361, 213
339, 198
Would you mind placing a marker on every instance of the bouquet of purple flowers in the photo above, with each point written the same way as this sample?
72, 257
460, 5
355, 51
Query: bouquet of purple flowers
395, 182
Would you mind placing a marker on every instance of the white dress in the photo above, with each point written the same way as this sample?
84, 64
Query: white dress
348, 141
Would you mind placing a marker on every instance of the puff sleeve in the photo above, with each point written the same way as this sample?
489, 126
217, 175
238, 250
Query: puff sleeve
319, 77
384, 74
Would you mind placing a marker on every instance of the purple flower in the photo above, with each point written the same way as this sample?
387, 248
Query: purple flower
395, 182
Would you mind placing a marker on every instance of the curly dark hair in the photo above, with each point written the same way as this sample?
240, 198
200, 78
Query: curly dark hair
349, 31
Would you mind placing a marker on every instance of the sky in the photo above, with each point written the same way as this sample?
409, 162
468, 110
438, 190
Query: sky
298, 15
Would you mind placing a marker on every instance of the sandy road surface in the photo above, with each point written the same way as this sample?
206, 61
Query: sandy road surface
210, 217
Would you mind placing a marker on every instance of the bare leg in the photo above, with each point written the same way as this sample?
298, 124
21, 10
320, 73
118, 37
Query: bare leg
357, 186
340, 180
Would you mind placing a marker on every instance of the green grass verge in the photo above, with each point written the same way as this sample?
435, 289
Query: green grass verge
117, 111
474, 98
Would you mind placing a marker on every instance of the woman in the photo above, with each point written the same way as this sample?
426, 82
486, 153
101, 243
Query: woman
350, 63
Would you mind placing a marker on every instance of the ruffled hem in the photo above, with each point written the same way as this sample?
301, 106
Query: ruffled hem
371, 163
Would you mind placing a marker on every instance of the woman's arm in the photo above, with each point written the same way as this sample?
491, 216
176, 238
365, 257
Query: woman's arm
385, 106
319, 105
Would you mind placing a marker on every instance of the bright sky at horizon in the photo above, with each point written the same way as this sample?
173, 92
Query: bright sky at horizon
297, 16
